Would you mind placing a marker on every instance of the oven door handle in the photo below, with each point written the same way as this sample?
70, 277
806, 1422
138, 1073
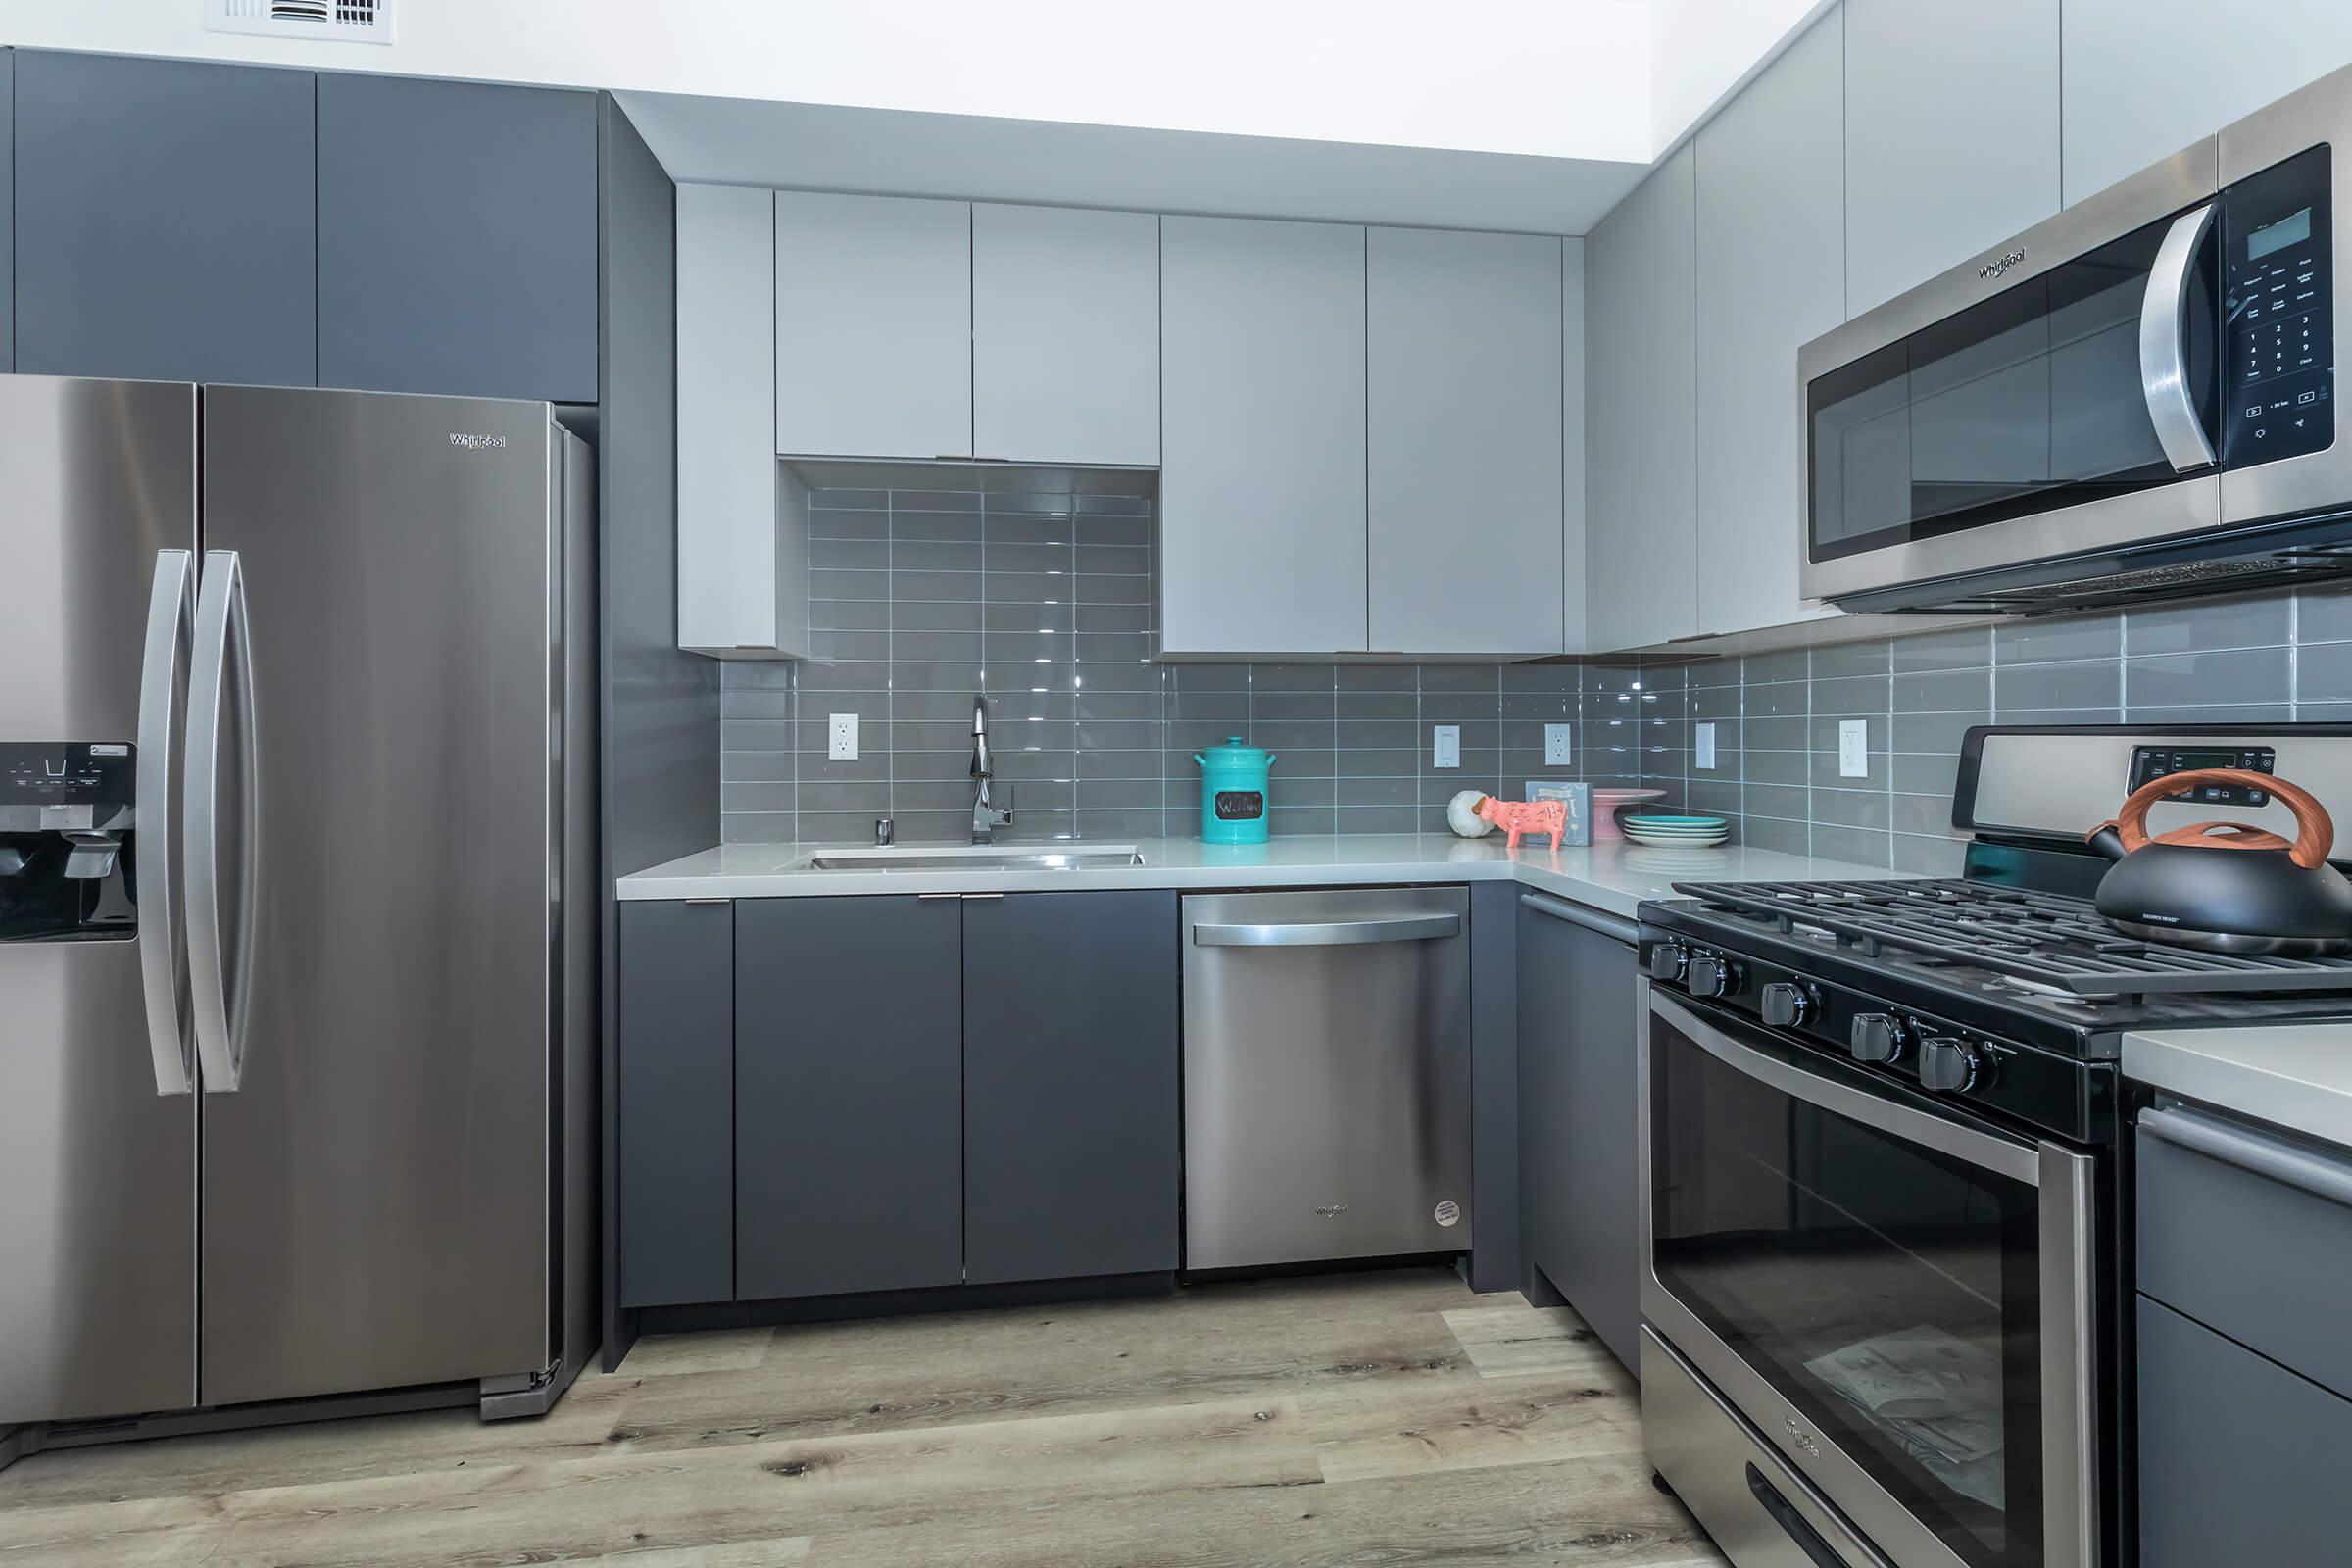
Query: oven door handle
2164, 345
2010, 1157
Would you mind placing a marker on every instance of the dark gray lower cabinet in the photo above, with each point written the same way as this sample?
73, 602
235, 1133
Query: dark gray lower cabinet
849, 1095
163, 220
2240, 1460
1579, 1099
457, 238
676, 1061
1072, 1144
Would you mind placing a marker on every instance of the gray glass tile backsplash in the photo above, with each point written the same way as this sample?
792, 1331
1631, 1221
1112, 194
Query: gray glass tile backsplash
921, 599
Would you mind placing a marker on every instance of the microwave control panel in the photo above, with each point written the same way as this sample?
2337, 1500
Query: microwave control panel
2279, 275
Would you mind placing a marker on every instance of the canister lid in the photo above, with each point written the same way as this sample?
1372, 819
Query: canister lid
1235, 753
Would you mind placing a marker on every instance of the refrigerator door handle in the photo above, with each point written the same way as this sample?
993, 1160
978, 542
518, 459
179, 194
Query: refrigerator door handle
221, 1002
163, 955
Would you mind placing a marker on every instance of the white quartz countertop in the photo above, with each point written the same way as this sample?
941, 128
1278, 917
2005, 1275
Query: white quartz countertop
1610, 877
2296, 1077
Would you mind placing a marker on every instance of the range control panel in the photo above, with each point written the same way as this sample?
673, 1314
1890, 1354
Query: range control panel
2278, 379
2152, 763
52, 785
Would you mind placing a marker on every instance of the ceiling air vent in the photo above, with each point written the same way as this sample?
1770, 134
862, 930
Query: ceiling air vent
327, 20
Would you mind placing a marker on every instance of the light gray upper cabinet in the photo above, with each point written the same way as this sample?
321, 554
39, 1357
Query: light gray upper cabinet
1640, 500
1065, 336
743, 547
1770, 278
2143, 79
873, 326
1951, 134
1462, 353
1574, 637
1262, 437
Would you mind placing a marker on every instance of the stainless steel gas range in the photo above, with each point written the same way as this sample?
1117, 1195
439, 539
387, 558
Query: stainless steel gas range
1883, 1187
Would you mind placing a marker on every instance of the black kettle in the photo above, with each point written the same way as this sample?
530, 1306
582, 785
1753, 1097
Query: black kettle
2227, 887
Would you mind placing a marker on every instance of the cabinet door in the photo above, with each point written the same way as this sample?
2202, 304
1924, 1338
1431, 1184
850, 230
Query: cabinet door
1262, 437
1463, 377
2143, 79
1071, 1101
1951, 134
8, 210
165, 225
457, 238
1578, 1067
873, 326
849, 1096
1770, 180
743, 557
1065, 336
1642, 507
676, 1095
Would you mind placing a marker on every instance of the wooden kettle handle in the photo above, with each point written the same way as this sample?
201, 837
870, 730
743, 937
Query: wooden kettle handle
2315, 830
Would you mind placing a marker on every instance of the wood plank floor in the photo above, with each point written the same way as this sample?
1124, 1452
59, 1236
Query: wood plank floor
1388, 1418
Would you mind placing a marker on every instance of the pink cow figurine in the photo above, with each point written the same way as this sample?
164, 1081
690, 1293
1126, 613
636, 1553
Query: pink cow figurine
1515, 817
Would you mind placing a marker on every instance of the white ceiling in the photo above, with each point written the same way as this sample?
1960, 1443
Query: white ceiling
1488, 113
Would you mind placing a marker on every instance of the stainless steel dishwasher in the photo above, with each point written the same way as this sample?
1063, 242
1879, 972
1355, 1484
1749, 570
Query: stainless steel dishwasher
1326, 1075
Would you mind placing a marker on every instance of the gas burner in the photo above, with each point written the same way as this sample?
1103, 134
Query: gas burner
2051, 945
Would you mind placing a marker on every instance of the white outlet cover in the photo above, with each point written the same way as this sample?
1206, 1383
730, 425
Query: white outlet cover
1853, 748
841, 738
1558, 749
1445, 746
1705, 744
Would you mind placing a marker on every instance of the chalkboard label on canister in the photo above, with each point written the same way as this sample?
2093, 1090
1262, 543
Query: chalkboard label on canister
1241, 805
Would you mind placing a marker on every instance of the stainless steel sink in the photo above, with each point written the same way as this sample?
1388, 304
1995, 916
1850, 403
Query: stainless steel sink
977, 858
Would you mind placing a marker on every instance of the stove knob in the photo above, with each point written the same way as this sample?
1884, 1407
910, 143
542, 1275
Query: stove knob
1949, 1065
1878, 1037
1785, 1005
1712, 976
1668, 960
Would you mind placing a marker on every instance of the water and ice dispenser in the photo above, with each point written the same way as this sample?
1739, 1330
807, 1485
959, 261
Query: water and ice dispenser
67, 841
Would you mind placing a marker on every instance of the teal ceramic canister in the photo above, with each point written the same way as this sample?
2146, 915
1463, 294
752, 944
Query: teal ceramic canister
1233, 792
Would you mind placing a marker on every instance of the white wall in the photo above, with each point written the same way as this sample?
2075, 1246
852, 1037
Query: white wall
1527, 77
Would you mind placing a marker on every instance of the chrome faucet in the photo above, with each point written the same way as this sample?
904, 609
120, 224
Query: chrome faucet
986, 817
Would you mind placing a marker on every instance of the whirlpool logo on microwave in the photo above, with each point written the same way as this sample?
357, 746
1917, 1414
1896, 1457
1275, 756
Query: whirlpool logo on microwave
476, 443
2000, 265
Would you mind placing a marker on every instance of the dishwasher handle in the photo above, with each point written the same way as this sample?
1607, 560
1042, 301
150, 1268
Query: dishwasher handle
1330, 933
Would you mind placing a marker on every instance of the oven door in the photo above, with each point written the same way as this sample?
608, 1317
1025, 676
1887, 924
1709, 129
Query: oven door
1899, 1299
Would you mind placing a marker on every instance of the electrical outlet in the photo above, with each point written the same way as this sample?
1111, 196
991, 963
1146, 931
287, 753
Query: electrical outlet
1853, 748
1557, 751
1445, 746
1704, 745
841, 738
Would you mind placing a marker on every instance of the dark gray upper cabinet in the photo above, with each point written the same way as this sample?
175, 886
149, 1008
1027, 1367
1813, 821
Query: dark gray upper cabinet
8, 210
1070, 1060
1579, 1099
849, 1096
457, 238
677, 1065
163, 220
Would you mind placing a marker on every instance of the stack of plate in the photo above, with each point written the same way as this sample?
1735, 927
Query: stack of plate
1656, 827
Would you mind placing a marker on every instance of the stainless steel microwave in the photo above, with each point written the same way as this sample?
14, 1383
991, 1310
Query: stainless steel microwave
2132, 399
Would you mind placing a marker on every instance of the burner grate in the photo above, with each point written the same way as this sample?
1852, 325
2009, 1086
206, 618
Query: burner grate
2043, 937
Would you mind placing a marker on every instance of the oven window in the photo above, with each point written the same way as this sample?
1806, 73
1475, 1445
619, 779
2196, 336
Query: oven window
1888, 1290
2026, 402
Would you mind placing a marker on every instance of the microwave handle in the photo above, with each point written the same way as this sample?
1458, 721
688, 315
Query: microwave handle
2164, 345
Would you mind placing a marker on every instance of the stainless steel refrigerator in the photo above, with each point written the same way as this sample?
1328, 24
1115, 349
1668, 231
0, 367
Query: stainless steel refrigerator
297, 907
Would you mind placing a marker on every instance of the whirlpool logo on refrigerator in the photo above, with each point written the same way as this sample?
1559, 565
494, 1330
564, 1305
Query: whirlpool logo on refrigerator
476, 443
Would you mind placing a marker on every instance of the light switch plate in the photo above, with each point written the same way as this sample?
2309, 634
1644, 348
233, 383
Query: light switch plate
1853, 748
1445, 746
841, 738
1705, 744
1557, 751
